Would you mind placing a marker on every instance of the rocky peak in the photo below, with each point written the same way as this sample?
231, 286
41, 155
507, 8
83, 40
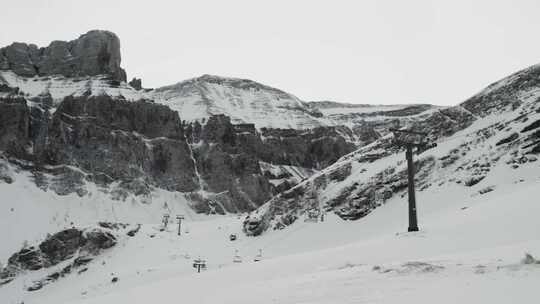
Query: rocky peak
136, 83
94, 53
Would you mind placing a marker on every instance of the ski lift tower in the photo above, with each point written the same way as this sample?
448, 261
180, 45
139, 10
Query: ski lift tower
410, 139
180, 217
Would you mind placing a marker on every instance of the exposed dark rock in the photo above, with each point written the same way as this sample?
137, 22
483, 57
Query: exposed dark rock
82, 260
316, 148
35, 286
230, 168
508, 139
94, 53
473, 180
123, 140
112, 226
254, 226
14, 125
58, 248
532, 126
5, 173
61, 246
136, 83
29, 258
341, 173
134, 231
97, 240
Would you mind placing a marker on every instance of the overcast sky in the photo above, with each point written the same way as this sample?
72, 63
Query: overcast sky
381, 52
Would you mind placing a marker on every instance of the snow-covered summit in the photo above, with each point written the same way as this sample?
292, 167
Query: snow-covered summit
245, 101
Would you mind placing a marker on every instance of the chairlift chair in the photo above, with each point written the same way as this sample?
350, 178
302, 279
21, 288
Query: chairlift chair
196, 263
258, 257
237, 258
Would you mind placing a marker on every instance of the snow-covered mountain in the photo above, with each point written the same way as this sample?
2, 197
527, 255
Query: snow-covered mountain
89, 164
243, 100
77, 130
226, 144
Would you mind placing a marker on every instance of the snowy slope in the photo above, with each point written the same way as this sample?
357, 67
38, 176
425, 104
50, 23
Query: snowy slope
59, 86
245, 101
30, 213
465, 252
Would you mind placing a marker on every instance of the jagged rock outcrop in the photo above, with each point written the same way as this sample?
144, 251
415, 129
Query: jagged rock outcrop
140, 144
94, 53
136, 83
14, 125
56, 248
230, 168
315, 148
312, 148
60, 254
229, 157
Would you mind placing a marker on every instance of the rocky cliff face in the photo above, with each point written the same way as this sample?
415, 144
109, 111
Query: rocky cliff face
234, 160
94, 53
14, 125
99, 139
131, 147
121, 140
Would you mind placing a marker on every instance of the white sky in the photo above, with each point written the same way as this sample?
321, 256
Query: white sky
438, 52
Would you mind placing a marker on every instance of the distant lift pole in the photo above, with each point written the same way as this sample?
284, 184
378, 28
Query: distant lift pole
179, 217
410, 139
165, 220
